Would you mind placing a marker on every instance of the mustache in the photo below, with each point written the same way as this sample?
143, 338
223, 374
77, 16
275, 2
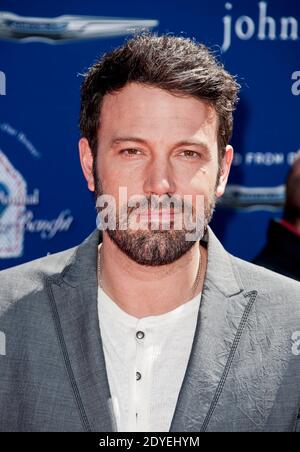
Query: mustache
147, 204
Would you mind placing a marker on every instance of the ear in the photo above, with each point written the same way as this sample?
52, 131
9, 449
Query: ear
225, 170
87, 160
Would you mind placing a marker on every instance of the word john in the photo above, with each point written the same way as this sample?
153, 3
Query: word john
267, 27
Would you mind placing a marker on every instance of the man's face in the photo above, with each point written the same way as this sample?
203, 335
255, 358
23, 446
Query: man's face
155, 143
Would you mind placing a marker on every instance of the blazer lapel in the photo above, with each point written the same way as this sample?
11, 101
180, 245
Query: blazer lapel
222, 315
73, 298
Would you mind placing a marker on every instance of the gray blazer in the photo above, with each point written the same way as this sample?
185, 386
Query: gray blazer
243, 373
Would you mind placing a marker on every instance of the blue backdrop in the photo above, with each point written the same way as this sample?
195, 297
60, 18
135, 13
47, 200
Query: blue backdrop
44, 203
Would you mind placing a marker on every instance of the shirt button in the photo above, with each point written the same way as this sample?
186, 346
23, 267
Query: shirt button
138, 376
140, 335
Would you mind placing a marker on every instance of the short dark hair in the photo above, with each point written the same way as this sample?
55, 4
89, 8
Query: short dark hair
176, 64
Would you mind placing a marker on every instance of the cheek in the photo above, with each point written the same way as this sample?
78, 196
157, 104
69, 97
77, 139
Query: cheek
120, 186
203, 182
117, 173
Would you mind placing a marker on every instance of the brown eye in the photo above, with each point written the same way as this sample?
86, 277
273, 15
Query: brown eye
191, 154
129, 152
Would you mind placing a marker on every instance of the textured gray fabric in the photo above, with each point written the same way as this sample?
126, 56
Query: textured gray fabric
243, 372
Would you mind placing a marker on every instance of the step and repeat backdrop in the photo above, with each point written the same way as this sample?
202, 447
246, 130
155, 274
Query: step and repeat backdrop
46, 46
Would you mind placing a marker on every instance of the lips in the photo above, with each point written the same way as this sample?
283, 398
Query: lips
155, 215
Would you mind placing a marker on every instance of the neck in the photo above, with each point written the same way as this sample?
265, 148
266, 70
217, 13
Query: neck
144, 291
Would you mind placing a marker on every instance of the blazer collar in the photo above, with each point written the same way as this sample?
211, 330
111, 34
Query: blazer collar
73, 299
220, 271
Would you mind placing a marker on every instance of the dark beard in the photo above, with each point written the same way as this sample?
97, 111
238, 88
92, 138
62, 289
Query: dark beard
153, 247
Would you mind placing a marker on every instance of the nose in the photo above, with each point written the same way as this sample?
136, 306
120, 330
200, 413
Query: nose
159, 179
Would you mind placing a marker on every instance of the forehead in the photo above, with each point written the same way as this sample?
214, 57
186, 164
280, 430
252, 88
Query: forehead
157, 113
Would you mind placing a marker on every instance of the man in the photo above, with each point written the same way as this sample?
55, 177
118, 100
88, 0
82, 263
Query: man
282, 251
142, 328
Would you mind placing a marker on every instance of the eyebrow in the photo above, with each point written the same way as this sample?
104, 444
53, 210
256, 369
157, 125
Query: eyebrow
118, 140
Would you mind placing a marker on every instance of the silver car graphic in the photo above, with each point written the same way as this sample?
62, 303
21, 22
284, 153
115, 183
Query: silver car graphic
253, 198
68, 28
